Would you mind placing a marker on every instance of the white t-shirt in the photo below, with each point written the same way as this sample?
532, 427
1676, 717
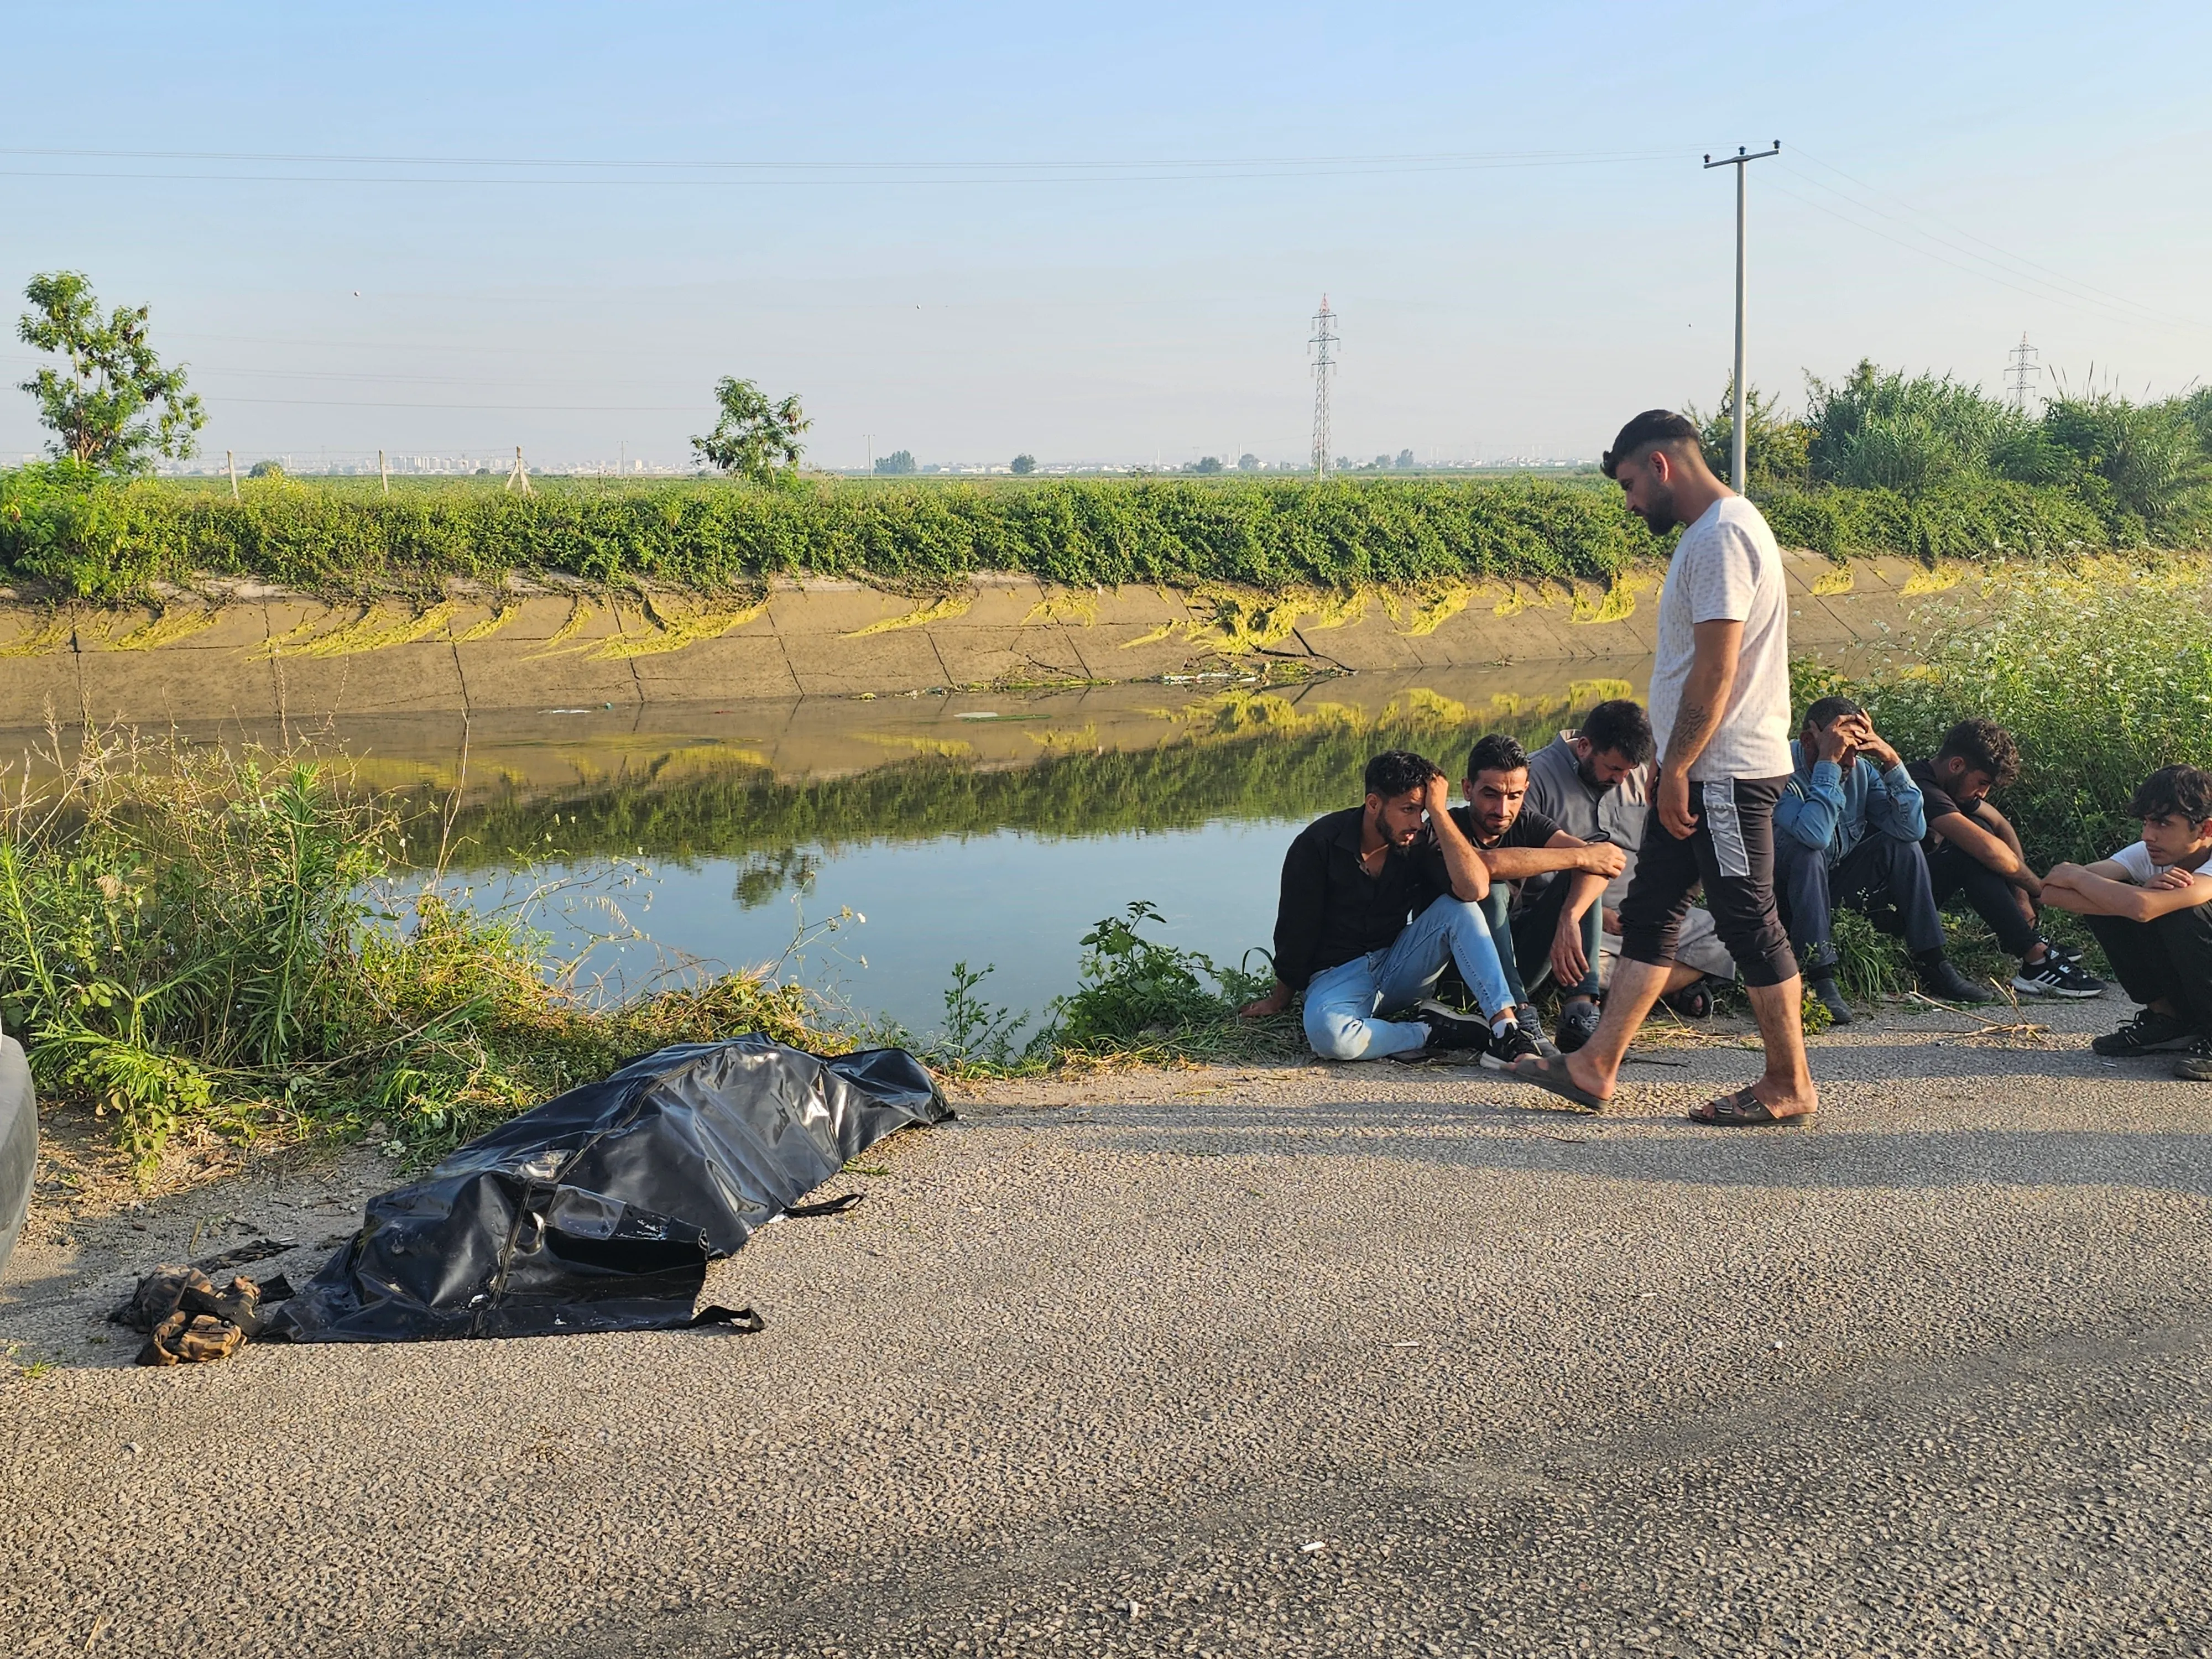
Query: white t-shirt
1726, 569
2136, 860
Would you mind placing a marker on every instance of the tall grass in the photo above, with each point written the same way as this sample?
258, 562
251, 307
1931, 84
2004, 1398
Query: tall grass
2103, 675
191, 935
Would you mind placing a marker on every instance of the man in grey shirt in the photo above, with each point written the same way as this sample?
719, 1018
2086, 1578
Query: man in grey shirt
1595, 782
1720, 714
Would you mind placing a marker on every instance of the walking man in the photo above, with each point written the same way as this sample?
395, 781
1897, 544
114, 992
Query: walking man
1720, 716
1376, 899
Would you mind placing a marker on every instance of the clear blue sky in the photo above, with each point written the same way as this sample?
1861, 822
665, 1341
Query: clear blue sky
970, 230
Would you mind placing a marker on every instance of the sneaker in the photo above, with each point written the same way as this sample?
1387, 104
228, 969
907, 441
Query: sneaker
1509, 1047
2195, 1066
1943, 981
1525, 1016
1450, 1029
2064, 952
2056, 977
2148, 1033
1830, 997
1577, 1025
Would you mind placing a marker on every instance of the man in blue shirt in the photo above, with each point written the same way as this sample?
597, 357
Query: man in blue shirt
1847, 834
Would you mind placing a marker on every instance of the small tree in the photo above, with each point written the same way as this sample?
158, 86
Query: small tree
115, 407
1207, 464
1248, 463
898, 464
1404, 460
1024, 465
754, 438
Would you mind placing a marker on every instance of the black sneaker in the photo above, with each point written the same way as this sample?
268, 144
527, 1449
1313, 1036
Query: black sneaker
1829, 996
1526, 1016
1450, 1029
2195, 1066
2148, 1033
1946, 984
2056, 977
2064, 952
1577, 1025
1509, 1047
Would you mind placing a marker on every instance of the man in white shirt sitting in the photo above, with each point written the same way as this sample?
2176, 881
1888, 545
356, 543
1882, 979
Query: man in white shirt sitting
2150, 907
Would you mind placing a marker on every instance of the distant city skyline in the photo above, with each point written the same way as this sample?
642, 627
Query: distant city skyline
998, 230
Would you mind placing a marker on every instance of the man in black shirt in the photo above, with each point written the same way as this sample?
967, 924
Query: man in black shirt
1971, 849
1555, 931
1376, 899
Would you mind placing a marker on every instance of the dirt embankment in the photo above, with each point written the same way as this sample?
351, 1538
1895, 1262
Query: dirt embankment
256, 654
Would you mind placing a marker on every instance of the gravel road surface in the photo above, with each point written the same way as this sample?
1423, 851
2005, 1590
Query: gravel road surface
1310, 1360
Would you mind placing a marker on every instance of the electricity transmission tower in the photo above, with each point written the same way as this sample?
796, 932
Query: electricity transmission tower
2023, 373
1739, 398
1324, 337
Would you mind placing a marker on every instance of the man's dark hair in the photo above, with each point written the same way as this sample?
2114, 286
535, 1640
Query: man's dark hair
2176, 792
1496, 753
1649, 431
1396, 772
1828, 710
1618, 727
1985, 746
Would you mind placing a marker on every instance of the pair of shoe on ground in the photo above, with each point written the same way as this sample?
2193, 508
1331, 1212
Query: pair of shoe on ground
2058, 975
2152, 1033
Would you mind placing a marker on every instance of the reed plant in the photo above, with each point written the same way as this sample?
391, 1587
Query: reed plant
195, 936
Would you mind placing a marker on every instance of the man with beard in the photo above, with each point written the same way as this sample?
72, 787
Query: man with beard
1720, 716
1376, 900
1595, 782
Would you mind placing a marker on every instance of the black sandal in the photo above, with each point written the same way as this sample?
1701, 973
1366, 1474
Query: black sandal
1692, 1001
1743, 1110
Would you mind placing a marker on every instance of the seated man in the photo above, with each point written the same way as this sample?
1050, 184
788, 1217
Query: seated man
1375, 901
1971, 849
1848, 833
1553, 927
1595, 784
2150, 907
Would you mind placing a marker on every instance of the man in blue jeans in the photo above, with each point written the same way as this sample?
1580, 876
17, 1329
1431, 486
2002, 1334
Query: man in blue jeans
1847, 835
1376, 899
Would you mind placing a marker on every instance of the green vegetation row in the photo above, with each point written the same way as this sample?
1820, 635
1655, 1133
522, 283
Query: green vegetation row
108, 539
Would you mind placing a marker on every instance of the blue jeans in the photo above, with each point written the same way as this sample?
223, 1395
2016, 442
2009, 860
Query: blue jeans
1342, 1002
1529, 964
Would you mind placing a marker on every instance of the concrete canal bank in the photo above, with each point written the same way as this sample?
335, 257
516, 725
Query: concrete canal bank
238, 651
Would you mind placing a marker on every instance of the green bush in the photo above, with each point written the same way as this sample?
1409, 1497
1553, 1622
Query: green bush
190, 936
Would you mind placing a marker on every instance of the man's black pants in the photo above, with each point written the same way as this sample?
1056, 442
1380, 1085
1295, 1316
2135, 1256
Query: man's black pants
1953, 870
1880, 867
1730, 852
2168, 959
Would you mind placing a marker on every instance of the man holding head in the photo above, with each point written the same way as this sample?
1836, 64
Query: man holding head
1720, 716
1376, 899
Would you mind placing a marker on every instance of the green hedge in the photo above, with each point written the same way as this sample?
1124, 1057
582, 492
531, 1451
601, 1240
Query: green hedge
107, 539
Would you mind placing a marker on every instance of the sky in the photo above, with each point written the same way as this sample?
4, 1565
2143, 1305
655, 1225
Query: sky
1095, 234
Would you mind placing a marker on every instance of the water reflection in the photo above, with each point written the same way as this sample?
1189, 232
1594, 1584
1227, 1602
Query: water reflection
988, 829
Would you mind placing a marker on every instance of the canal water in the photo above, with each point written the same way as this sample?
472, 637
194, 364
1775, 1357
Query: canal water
867, 845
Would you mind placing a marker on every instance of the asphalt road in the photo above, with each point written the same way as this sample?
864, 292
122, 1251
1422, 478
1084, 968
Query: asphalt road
1320, 1360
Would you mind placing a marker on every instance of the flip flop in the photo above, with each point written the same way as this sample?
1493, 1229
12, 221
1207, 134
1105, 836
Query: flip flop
1551, 1074
1744, 1110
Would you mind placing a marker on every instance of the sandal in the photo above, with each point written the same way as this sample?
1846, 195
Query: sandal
1692, 1001
1551, 1074
1743, 1110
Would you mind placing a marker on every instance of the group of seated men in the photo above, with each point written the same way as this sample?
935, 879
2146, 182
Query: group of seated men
1521, 884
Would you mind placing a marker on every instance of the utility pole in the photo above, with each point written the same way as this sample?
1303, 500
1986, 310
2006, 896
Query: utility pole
1739, 398
384, 472
1324, 337
230, 465
518, 479
2022, 372
869, 438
